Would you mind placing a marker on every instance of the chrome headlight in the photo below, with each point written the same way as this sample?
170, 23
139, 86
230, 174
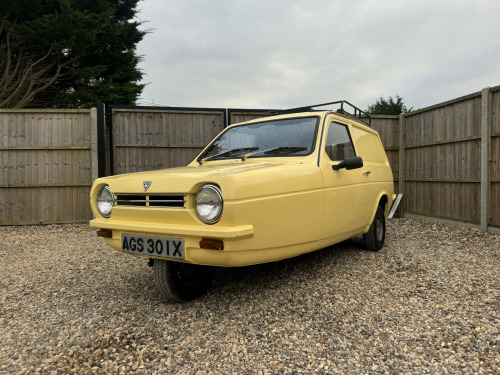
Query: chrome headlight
105, 201
209, 204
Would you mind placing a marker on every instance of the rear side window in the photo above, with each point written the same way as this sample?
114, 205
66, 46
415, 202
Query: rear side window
338, 142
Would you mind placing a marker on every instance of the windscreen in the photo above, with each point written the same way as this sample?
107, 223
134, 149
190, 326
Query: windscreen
290, 137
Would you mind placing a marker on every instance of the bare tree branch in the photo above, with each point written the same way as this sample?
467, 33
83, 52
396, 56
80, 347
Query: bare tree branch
24, 74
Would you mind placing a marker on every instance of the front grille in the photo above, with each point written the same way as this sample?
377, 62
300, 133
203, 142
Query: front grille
153, 200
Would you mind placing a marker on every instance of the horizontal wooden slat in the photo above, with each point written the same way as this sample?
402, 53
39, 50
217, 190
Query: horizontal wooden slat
44, 185
51, 111
457, 140
166, 111
47, 148
151, 146
442, 180
46, 222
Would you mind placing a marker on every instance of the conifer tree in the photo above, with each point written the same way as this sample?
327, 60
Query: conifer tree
69, 53
390, 106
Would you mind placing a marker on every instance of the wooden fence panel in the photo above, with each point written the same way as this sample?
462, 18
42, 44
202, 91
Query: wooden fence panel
46, 166
445, 200
236, 116
442, 160
156, 139
460, 161
388, 129
494, 204
457, 120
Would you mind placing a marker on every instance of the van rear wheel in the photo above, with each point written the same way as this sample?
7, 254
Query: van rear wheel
375, 237
180, 282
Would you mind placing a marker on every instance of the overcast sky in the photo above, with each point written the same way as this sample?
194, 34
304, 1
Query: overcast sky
282, 54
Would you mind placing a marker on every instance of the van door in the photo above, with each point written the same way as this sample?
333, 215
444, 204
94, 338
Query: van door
348, 196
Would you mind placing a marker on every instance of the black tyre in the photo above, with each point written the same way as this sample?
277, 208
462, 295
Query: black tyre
181, 282
375, 237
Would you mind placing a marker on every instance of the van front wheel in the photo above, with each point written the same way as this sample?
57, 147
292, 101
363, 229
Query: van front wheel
375, 237
181, 282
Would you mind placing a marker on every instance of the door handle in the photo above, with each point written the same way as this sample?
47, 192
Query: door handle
366, 172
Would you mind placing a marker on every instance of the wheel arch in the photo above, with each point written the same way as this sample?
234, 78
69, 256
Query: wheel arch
382, 200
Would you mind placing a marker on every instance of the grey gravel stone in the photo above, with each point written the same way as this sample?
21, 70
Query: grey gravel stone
428, 302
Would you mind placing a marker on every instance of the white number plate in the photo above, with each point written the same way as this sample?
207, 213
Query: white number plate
154, 246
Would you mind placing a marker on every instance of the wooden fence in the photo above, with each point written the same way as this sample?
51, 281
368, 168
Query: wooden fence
48, 160
241, 115
155, 139
445, 158
388, 129
442, 160
449, 161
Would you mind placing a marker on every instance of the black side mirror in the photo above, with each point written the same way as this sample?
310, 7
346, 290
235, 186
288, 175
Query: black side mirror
351, 163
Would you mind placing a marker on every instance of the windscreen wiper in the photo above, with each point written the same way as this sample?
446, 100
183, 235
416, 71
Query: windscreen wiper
229, 153
276, 150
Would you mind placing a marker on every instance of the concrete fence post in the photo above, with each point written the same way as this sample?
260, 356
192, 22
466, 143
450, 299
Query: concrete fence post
485, 157
401, 171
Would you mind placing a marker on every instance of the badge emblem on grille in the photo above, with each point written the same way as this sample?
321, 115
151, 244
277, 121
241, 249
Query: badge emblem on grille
146, 184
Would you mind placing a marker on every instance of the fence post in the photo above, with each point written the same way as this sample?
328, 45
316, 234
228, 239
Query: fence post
401, 180
485, 157
93, 144
101, 139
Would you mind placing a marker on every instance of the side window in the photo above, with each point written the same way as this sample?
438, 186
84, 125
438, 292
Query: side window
338, 142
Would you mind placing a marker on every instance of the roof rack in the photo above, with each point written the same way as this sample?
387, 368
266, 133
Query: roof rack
357, 113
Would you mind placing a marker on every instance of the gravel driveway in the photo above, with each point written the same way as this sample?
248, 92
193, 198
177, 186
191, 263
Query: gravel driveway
428, 302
